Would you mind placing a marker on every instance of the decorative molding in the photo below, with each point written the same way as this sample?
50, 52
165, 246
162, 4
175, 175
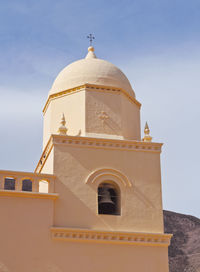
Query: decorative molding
113, 89
28, 194
60, 94
110, 237
90, 87
44, 156
25, 175
103, 143
97, 174
99, 143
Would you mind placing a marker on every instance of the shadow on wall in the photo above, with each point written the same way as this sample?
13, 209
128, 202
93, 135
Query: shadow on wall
113, 126
75, 157
70, 205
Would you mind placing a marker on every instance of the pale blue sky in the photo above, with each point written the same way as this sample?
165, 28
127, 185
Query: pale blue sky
155, 42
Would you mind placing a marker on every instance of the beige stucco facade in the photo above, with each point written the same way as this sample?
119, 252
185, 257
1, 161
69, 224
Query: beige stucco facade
63, 229
95, 111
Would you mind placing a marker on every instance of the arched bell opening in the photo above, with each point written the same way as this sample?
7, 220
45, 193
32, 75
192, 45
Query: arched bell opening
109, 199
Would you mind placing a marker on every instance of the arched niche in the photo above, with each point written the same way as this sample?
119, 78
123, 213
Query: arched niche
116, 180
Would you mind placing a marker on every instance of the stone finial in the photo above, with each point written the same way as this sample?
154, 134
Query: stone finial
90, 54
62, 129
147, 137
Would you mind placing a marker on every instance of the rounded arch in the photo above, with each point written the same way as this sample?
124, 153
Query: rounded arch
9, 177
100, 175
27, 178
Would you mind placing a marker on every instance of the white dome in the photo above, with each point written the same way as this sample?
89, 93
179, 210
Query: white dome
91, 70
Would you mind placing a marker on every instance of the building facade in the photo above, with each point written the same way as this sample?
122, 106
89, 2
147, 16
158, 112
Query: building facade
94, 202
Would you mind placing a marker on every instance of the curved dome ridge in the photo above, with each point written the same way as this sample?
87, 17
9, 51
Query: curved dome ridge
91, 70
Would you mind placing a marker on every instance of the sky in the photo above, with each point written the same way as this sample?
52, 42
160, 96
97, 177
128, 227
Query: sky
156, 43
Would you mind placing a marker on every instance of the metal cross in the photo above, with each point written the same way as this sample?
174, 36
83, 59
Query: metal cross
91, 37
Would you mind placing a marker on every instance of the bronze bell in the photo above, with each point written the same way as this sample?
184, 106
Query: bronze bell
106, 205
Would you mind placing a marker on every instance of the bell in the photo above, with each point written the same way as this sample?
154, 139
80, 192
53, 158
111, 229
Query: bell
106, 205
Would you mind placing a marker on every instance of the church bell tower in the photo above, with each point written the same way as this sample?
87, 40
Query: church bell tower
108, 178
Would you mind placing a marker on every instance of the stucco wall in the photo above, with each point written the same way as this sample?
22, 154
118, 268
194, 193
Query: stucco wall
48, 167
77, 205
108, 103
73, 107
83, 110
26, 245
130, 119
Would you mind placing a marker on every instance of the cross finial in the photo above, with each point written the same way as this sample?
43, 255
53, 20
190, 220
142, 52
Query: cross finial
91, 38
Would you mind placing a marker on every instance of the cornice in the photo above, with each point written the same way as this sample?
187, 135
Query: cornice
25, 174
102, 143
89, 87
24, 194
110, 237
44, 156
98, 143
